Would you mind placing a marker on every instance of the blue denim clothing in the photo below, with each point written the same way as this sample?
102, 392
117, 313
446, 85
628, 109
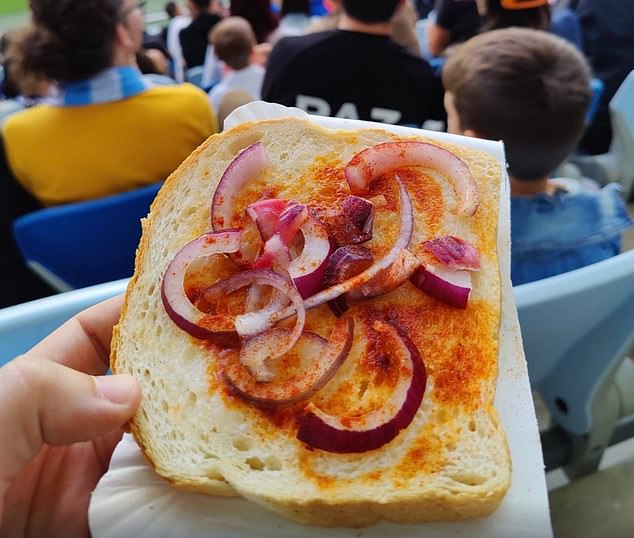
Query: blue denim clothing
552, 234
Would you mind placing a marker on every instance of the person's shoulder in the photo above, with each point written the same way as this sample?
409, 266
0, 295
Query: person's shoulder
608, 198
186, 28
207, 20
26, 118
305, 41
184, 91
417, 64
255, 70
182, 103
601, 209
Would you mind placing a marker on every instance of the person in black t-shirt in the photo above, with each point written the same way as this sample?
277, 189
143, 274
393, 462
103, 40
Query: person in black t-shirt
456, 21
355, 71
607, 30
193, 38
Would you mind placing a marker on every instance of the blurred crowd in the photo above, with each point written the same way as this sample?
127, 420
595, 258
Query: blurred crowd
93, 104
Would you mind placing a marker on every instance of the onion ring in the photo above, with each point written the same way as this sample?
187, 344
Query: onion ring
381, 159
177, 305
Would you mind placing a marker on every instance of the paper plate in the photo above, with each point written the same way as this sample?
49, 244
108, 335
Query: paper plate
259, 110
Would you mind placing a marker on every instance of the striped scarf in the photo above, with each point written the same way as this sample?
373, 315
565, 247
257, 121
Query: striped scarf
113, 84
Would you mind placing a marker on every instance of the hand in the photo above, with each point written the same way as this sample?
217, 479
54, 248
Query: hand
59, 426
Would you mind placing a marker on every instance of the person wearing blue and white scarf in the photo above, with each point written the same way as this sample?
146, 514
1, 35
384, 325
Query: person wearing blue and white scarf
108, 129
104, 129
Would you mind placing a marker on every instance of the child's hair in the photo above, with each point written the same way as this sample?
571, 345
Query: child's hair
371, 11
233, 40
525, 87
171, 8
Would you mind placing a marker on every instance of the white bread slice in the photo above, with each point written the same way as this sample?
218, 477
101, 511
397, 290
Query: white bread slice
452, 462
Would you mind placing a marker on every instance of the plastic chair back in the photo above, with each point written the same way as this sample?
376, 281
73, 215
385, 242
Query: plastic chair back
84, 243
421, 34
194, 75
618, 163
577, 327
597, 87
24, 325
622, 117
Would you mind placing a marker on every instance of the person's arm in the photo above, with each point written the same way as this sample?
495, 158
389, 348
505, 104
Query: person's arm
437, 38
438, 28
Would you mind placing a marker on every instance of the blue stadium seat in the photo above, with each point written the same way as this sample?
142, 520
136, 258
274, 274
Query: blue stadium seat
597, 87
194, 75
84, 243
24, 325
577, 330
618, 163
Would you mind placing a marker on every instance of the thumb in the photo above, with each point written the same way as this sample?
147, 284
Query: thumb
45, 402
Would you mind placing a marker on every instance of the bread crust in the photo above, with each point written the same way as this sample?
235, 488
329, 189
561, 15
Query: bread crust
451, 463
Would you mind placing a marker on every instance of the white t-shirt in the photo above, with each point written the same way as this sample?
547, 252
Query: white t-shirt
248, 79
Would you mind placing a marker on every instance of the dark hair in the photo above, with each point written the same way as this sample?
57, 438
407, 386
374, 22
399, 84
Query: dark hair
202, 4
9, 89
370, 11
497, 17
525, 87
233, 40
68, 39
171, 8
259, 15
295, 6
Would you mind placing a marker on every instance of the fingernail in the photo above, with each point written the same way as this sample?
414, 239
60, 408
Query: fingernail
119, 389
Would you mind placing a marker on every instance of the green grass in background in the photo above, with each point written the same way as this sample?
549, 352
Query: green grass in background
15, 13
9, 7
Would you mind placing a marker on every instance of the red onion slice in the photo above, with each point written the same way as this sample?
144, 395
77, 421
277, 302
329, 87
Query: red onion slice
275, 255
350, 225
343, 264
290, 221
247, 164
383, 158
390, 278
346, 262
450, 286
307, 270
260, 350
350, 434
402, 240
265, 215
177, 305
454, 252
324, 359
252, 323
265, 343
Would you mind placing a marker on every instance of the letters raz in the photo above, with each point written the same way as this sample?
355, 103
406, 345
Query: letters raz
319, 106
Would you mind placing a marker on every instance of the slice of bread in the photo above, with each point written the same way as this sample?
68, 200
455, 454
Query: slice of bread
451, 462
